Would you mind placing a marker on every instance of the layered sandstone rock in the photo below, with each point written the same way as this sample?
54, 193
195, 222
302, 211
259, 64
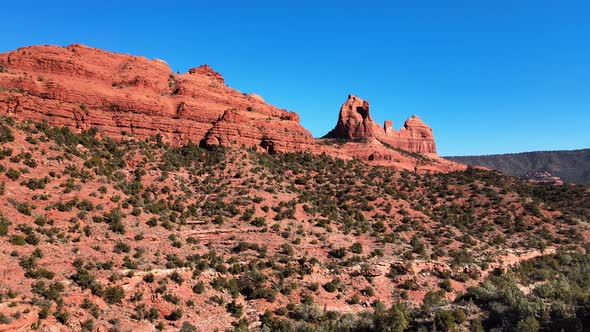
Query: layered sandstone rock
355, 122
82, 87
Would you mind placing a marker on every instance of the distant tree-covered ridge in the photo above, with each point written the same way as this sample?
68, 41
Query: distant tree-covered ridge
571, 166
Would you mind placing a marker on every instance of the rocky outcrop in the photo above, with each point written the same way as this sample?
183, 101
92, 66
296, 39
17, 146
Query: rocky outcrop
414, 136
249, 128
82, 87
355, 122
542, 177
206, 70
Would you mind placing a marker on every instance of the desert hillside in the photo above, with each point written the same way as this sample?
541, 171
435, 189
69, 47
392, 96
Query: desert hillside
138, 234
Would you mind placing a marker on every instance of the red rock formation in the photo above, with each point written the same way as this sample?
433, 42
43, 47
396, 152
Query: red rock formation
388, 126
122, 95
355, 121
414, 136
82, 87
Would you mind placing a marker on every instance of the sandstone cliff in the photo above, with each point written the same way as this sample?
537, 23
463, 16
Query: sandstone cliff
82, 87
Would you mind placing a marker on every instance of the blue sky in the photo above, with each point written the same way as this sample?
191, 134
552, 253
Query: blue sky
488, 76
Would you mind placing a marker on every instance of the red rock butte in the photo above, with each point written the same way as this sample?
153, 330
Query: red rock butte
127, 96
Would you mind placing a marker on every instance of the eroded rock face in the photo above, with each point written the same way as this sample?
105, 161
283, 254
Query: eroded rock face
82, 87
355, 122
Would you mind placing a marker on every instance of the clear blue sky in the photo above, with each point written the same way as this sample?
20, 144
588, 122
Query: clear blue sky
488, 76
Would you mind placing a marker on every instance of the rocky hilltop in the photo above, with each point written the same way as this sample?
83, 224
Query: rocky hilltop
355, 122
125, 96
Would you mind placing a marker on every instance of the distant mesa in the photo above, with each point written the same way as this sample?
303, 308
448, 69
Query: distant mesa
354, 122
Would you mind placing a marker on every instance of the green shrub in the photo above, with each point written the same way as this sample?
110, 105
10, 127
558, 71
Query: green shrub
4, 224
176, 314
114, 294
332, 286
337, 253
176, 277
356, 248
62, 316
199, 288
18, 240
121, 247
188, 327
35, 184
258, 221
12, 174
149, 277
114, 219
6, 134
235, 309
